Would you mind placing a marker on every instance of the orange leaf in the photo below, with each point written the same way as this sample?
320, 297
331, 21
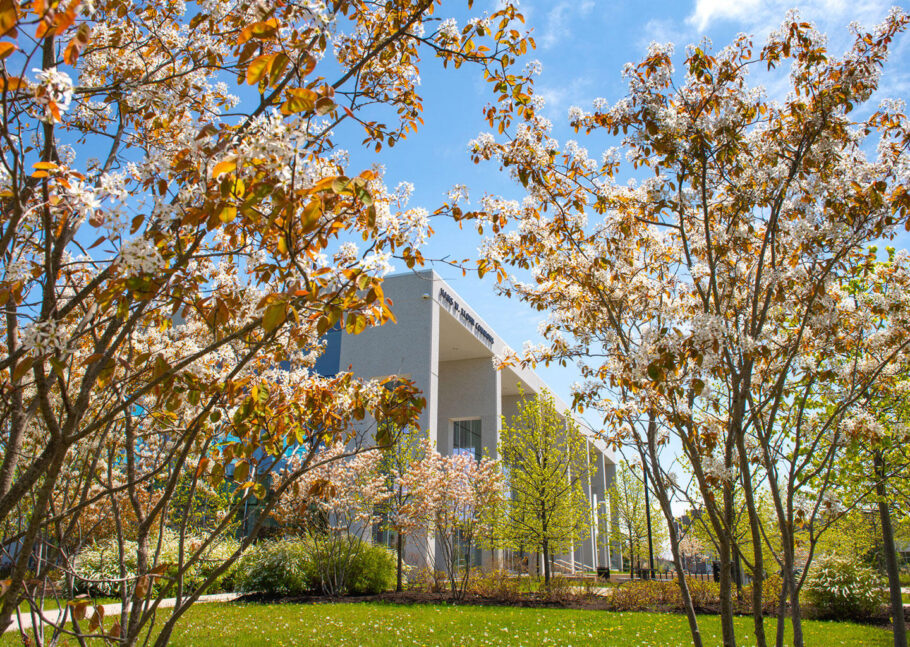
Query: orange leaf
260, 30
323, 184
6, 49
80, 40
310, 215
11, 84
225, 166
9, 16
299, 100
259, 68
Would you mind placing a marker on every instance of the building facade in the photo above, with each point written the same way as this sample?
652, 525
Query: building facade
447, 349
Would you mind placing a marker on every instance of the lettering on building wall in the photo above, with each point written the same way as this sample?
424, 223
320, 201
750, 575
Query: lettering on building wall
465, 317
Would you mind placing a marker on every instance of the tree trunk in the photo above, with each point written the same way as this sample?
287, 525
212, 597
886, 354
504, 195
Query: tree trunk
790, 581
796, 615
890, 553
726, 594
399, 548
680, 568
781, 613
758, 565
726, 581
546, 562
27, 544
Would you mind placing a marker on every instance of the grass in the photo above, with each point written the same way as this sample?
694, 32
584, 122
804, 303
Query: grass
254, 625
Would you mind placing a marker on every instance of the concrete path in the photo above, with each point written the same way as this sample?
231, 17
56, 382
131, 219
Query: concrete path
53, 616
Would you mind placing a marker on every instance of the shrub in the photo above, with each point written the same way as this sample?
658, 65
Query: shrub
559, 590
294, 566
497, 585
372, 570
645, 595
97, 567
840, 588
705, 595
430, 581
770, 595
650, 595
279, 567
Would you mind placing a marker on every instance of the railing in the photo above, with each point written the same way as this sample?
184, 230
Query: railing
572, 567
656, 574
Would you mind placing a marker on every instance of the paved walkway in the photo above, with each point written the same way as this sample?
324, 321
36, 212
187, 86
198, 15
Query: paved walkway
53, 616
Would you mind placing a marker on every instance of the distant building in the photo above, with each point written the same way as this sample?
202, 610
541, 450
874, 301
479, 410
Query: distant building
447, 349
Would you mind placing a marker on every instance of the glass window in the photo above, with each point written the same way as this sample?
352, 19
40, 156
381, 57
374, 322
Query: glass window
467, 438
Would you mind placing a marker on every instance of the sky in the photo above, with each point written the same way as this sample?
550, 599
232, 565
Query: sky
582, 46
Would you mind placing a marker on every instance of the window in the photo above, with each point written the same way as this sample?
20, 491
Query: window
382, 535
467, 438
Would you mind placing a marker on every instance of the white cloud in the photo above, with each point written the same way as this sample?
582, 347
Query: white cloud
707, 11
762, 16
557, 99
558, 18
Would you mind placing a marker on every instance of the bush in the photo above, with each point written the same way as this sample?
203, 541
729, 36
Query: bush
279, 567
842, 589
98, 566
430, 581
497, 585
770, 595
659, 595
705, 595
560, 590
373, 570
294, 567
646, 595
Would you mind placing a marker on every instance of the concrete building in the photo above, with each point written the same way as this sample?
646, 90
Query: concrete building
448, 350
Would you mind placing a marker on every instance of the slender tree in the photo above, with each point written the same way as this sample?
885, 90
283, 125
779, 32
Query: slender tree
547, 464
627, 501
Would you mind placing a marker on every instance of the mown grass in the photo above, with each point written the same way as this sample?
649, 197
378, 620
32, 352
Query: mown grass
253, 625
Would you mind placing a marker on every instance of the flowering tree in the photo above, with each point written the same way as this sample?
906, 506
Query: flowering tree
548, 462
399, 452
335, 504
710, 297
167, 245
448, 497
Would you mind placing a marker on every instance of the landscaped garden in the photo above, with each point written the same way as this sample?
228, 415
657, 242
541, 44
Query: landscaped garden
198, 215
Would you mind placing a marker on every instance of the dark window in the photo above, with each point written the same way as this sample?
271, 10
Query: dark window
467, 438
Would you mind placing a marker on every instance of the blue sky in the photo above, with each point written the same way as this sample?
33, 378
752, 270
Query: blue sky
583, 45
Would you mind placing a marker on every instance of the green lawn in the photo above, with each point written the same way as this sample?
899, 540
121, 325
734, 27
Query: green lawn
254, 625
